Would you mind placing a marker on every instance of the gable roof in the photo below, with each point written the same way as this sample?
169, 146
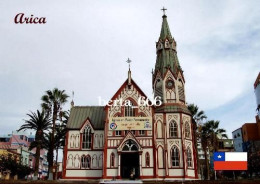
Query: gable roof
122, 88
79, 114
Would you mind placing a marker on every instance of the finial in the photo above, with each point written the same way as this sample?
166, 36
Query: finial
164, 9
129, 61
72, 102
129, 72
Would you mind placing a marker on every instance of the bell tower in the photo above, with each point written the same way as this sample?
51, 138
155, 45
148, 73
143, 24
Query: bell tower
168, 79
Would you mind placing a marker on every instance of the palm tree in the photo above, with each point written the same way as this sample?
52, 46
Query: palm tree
39, 122
197, 118
210, 133
52, 104
60, 136
197, 115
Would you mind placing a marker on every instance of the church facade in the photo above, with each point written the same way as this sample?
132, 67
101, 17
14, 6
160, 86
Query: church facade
97, 147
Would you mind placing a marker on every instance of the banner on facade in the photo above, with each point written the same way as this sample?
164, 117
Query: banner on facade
130, 123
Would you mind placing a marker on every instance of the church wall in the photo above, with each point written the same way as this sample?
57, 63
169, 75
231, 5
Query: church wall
161, 172
98, 139
84, 173
191, 173
150, 151
74, 159
74, 139
176, 172
147, 172
109, 152
112, 172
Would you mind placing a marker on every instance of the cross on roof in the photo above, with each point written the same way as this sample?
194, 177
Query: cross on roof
129, 61
163, 9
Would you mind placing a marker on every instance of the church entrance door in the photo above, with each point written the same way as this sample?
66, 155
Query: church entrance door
130, 165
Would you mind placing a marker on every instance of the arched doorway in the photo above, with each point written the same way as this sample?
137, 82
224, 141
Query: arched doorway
130, 160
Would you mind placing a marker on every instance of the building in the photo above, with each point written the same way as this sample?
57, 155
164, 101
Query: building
250, 131
225, 145
238, 140
19, 142
129, 137
201, 159
257, 93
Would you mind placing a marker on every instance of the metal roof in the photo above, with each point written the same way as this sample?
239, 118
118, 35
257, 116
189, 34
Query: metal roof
79, 114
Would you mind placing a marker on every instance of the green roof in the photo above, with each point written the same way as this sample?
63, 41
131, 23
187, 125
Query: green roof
79, 114
165, 31
167, 57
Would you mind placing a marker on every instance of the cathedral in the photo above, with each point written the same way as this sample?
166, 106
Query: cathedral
132, 137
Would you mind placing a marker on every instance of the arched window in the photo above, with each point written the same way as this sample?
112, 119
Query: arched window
83, 161
189, 158
187, 130
173, 129
94, 161
175, 156
101, 141
181, 91
72, 141
88, 162
86, 143
112, 160
147, 159
100, 161
129, 108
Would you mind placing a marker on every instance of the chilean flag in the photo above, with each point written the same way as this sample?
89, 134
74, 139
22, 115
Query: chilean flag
230, 161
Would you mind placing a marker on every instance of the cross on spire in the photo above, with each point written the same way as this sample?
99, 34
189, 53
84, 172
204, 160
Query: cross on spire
129, 61
163, 9
129, 73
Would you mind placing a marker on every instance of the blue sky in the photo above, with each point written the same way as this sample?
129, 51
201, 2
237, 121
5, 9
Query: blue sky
84, 46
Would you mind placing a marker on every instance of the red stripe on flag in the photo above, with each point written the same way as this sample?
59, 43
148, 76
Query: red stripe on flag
230, 165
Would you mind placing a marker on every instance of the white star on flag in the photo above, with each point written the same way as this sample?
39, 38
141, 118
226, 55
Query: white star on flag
219, 156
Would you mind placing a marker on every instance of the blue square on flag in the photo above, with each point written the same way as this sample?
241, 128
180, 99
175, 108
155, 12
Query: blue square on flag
219, 156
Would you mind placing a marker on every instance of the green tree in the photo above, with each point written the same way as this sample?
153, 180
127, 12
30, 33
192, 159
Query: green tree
39, 122
52, 104
210, 133
11, 163
197, 119
198, 116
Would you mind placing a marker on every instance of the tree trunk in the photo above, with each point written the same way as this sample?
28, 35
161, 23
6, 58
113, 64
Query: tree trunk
56, 172
37, 160
206, 162
54, 117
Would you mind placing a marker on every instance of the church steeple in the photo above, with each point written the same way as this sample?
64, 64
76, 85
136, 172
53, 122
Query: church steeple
168, 80
165, 31
166, 51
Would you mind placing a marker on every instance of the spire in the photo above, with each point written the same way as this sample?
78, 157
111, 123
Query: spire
129, 72
165, 31
166, 50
